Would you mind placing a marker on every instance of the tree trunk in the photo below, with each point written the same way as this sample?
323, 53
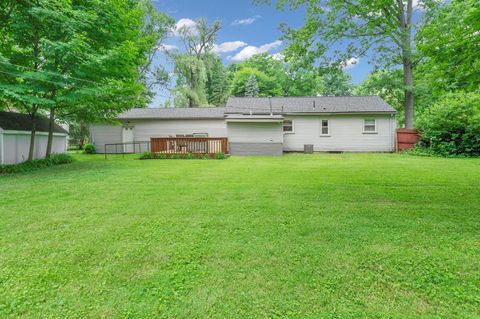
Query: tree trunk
408, 82
407, 59
32, 138
51, 125
83, 130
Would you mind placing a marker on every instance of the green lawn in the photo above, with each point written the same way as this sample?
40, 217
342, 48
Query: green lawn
298, 236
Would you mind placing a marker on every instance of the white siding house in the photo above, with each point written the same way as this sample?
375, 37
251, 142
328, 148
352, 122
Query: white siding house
15, 138
265, 126
344, 133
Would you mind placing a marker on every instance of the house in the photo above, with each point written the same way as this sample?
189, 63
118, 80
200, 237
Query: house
265, 126
15, 137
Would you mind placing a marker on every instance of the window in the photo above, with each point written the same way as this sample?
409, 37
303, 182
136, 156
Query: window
325, 130
287, 126
369, 126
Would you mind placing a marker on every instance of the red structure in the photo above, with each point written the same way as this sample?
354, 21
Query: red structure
406, 139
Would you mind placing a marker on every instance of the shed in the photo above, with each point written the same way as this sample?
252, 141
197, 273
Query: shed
15, 131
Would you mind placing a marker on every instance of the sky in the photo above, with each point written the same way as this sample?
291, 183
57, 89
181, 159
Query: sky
247, 29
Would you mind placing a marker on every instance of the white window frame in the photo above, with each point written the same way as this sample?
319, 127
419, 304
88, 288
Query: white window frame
293, 126
321, 127
370, 132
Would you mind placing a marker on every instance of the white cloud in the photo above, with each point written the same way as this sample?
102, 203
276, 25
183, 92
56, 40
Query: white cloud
246, 21
350, 63
251, 50
167, 47
228, 46
185, 25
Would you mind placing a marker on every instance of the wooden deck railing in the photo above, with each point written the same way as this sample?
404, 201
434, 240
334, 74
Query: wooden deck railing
185, 145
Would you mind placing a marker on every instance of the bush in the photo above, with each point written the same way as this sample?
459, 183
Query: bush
54, 159
220, 155
452, 125
89, 149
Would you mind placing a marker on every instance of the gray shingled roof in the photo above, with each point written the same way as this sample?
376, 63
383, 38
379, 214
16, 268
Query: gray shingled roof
321, 104
261, 105
10, 121
174, 113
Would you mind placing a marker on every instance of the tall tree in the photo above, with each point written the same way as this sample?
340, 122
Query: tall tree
197, 69
251, 88
384, 27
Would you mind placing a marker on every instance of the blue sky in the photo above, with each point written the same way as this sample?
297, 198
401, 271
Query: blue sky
247, 29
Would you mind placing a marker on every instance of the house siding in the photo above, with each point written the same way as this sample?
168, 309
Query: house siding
105, 134
255, 138
145, 129
345, 133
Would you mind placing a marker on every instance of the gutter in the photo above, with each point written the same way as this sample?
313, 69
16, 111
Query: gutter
12, 132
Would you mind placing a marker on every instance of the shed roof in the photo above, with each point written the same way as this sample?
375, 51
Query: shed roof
320, 104
174, 113
10, 121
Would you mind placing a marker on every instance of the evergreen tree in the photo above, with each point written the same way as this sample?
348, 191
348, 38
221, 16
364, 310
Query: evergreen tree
251, 88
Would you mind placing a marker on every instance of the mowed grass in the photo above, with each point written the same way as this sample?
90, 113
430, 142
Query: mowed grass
298, 236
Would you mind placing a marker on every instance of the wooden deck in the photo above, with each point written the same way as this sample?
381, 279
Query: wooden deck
185, 145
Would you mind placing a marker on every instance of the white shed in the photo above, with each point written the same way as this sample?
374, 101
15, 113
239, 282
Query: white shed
15, 138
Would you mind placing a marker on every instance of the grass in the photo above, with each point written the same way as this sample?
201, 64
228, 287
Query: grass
298, 236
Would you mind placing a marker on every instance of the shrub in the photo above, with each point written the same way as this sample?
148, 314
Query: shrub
89, 149
220, 155
54, 159
147, 155
189, 156
452, 125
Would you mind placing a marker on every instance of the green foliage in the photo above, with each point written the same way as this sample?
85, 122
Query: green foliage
191, 81
220, 155
267, 86
28, 166
218, 84
251, 88
294, 77
452, 125
336, 82
201, 77
89, 149
448, 42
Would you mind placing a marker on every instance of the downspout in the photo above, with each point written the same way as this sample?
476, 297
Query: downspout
392, 138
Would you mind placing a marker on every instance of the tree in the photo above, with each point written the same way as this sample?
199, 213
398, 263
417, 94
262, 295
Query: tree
267, 86
450, 46
63, 63
191, 81
218, 83
384, 27
199, 73
295, 77
201, 38
336, 82
251, 88
156, 27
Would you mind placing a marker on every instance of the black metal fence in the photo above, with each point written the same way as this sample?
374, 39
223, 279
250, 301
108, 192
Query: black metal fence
126, 148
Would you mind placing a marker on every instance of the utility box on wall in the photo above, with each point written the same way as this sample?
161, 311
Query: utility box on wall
406, 139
